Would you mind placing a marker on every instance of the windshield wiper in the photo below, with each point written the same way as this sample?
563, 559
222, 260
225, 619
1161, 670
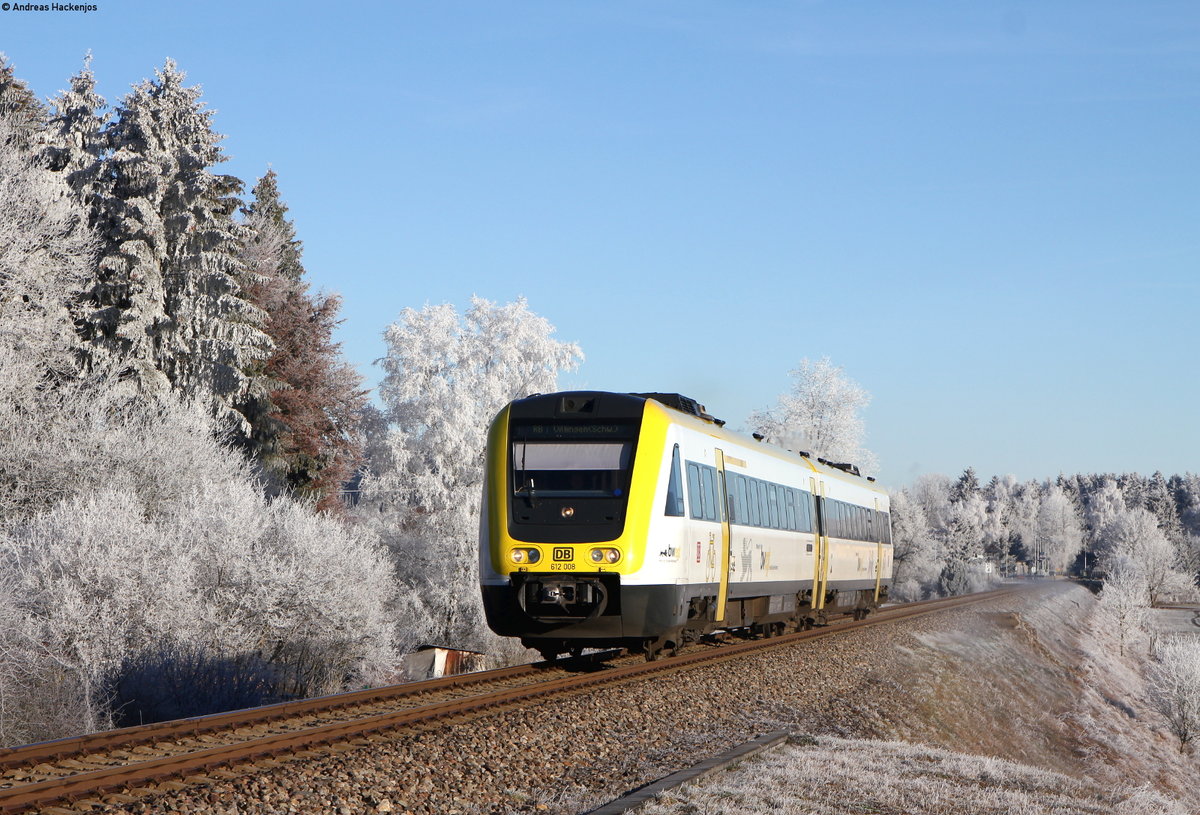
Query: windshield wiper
526, 487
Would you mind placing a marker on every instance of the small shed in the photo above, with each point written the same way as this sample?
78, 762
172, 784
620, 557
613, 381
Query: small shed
432, 661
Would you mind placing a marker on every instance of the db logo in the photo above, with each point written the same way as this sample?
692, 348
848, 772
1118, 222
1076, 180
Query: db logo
563, 554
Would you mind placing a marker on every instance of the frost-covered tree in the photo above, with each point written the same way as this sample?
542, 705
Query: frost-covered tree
26, 115
46, 253
446, 376
76, 133
268, 204
1059, 530
1125, 600
918, 555
821, 414
1000, 532
1175, 686
305, 415
168, 295
1027, 506
1133, 538
962, 537
140, 531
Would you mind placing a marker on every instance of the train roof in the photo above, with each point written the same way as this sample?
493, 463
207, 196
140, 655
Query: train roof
691, 412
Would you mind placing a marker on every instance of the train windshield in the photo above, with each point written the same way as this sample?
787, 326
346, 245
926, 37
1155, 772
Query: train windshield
571, 468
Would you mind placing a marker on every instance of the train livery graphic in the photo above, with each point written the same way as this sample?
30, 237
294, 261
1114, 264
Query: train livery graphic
638, 520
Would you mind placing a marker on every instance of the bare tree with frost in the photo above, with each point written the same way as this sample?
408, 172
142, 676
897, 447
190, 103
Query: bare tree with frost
1125, 600
1133, 539
918, 555
46, 252
1059, 529
446, 376
821, 414
139, 532
168, 295
1175, 686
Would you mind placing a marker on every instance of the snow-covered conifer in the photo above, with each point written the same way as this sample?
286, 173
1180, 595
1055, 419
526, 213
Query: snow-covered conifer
76, 133
269, 205
169, 291
446, 377
821, 414
26, 115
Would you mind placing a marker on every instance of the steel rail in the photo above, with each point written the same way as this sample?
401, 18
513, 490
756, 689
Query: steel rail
127, 737
116, 779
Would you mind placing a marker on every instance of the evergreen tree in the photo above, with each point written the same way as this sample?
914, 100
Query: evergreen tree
26, 116
268, 204
168, 292
77, 139
305, 419
966, 486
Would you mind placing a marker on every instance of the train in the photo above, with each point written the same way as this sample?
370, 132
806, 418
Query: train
639, 521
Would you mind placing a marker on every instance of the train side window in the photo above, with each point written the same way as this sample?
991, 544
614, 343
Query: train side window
675, 487
789, 508
803, 511
731, 496
885, 519
710, 494
695, 502
764, 514
864, 532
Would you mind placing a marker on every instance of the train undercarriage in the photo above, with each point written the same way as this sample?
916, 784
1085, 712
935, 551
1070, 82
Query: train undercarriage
559, 614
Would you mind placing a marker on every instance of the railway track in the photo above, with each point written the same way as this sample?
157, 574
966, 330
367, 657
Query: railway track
122, 766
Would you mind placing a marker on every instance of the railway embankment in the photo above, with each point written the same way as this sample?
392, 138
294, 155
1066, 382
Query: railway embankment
1029, 707
1028, 678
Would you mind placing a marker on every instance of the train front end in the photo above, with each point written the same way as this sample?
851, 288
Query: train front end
568, 485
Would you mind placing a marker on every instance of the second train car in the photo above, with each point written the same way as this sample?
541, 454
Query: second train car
638, 520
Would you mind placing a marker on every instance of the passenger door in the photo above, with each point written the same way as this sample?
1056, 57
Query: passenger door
723, 509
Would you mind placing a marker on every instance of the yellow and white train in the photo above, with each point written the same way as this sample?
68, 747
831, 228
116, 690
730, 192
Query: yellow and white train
637, 520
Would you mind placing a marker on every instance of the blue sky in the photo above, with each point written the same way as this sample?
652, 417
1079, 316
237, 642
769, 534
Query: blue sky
987, 214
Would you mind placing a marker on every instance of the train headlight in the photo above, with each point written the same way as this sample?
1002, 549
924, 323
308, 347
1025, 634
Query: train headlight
605, 555
525, 555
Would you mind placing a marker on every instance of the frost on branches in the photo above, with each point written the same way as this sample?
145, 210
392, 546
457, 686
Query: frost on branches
46, 253
127, 529
168, 295
1175, 686
821, 414
447, 375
